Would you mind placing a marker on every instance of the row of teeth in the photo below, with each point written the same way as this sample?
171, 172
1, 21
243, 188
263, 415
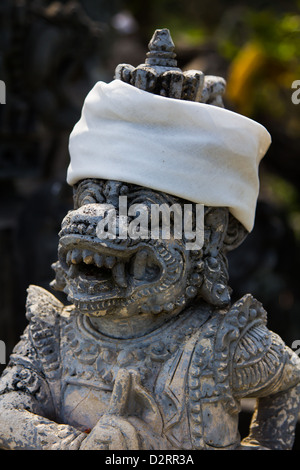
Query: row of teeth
111, 262
117, 266
89, 257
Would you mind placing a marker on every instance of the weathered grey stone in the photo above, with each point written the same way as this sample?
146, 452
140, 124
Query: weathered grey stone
150, 353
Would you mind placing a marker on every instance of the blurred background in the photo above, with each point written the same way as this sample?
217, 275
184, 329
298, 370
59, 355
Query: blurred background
52, 53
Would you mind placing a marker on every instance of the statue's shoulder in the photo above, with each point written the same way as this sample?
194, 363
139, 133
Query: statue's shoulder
233, 336
213, 377
34, 364
236, 355
41, 305
243, 315
255, 354
44, 312
228, 326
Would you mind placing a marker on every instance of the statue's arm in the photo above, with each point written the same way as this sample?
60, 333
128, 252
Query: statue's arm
28, 415
270, 372
275, 417
23, 428
25, 403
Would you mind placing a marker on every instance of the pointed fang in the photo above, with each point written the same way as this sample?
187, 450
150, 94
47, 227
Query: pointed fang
118, 272
139, 264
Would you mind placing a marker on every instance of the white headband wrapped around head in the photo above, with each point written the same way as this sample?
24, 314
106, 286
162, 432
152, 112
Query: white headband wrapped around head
199, 152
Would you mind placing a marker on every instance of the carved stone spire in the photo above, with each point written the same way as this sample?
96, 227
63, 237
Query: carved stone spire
161, 50
160, 74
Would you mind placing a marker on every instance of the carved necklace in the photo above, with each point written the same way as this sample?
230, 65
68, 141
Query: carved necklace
98, 356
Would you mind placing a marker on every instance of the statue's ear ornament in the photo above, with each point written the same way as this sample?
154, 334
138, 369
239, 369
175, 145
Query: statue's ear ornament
235, 234
210, 267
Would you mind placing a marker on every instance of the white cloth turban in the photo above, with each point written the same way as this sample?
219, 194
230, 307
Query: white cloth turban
199, 152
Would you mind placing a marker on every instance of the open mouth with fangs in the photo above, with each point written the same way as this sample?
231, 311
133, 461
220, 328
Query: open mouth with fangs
99, 275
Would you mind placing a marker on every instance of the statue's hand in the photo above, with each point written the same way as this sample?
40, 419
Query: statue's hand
111, 433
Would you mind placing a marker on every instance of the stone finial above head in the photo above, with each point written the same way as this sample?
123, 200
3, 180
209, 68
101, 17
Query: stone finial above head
160, 75
161, 50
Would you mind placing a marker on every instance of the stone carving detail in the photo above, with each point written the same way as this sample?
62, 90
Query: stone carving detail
160, 75
149, 353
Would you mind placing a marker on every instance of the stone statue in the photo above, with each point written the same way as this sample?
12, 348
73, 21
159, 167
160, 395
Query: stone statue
149, 353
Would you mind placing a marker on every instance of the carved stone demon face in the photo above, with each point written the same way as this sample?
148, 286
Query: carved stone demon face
128, 276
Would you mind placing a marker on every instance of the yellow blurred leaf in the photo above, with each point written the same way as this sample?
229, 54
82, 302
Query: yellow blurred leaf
242, 73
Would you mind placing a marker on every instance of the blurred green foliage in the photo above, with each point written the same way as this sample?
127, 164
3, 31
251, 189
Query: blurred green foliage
270, 31
277, 33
